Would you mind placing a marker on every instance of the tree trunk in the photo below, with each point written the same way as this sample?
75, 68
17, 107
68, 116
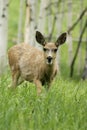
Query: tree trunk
3, 33
33, 20
42, 17
27, 22
69, 21
59, 23
80, 49
20, 22
84, 75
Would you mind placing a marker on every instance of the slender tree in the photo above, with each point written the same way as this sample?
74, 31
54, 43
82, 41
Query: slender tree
3, 33
27, 22
20, 22
78, 46
80, 49
60, 18
33, 19
69, 23
30, 22
84, 75
42, 17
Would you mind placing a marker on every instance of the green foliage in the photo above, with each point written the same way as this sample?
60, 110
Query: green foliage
63, 107
13, 19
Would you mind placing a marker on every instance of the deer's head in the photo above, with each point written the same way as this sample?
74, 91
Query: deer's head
50, 48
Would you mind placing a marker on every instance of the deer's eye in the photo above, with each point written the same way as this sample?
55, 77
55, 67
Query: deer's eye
55, 50
44, 49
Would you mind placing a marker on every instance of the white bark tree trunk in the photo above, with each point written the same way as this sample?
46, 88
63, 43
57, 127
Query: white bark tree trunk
59, 24
69, 22
42, 18
33, 19
42, 15
80, 49
20, 22
30, 22
3, 33
27, 22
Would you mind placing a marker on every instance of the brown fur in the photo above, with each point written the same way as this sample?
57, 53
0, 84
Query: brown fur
29, 63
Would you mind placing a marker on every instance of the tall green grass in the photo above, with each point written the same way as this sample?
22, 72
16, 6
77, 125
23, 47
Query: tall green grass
63, 107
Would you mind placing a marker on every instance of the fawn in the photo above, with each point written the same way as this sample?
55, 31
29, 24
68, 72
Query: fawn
31, 64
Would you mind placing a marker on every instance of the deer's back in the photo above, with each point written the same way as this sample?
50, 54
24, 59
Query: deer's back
29, 60
31, 64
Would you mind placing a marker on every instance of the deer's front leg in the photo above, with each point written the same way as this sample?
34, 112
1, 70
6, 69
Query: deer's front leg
38, 85
15, 77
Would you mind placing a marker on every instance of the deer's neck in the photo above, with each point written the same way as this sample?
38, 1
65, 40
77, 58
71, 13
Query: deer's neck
49, 69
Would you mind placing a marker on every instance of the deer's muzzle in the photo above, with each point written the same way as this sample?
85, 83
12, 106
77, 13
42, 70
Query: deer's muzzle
49, 60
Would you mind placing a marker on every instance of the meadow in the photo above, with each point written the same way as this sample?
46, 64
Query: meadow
63, 107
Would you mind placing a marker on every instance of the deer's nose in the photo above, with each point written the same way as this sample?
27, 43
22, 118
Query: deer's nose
49, 58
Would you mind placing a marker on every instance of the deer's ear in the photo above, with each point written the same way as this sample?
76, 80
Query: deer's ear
40, 38
61, 39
